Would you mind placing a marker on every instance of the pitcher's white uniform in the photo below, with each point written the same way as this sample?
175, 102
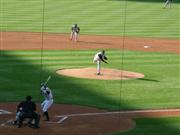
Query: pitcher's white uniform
47, 93
100, 56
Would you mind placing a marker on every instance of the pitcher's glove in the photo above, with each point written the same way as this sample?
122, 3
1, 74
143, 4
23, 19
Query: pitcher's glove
105, 58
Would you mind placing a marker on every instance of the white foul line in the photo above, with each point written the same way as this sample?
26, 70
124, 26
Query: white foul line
119, 112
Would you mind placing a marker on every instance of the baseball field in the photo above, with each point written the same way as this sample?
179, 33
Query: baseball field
139, 37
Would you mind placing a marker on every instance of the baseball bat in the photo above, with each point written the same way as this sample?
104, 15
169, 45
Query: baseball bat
49, 77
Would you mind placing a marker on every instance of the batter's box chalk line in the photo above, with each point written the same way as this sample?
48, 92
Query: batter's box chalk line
4, 112
60, 121
7, 122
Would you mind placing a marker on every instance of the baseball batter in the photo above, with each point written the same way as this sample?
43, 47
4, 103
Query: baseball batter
47, 103
74, 32
100, 56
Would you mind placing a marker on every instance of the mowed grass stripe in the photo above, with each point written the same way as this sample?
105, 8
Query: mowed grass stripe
135, 93
98, 17
83, 57
89, 19
112, 52
74, 64
63, 58
149, 20
63, 55
21, 11
82, 54
21, 15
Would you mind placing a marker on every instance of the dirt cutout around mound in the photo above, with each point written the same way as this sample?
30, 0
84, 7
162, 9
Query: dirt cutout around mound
106, 74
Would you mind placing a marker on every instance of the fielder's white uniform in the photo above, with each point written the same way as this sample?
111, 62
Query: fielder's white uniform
168, 2
100, 56
48, 98
74, 32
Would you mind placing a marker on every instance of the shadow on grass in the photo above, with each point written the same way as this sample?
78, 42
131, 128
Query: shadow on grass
146, 79
20, 78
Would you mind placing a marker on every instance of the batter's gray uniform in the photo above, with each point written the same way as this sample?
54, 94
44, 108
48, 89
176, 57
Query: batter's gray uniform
47, 103
74, 32
100, 56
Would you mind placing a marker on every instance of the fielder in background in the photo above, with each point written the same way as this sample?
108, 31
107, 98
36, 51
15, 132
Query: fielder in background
100, 56
168, 3
74, 32
47, 103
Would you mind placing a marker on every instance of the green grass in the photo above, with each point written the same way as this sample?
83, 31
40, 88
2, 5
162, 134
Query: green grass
21, 73
155, 126
96, 17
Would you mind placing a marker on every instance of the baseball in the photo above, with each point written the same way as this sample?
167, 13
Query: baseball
147, 46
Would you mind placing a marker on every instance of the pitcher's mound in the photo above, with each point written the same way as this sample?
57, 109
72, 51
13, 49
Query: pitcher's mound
106, 74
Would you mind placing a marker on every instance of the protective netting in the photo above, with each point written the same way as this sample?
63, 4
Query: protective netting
137, 36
